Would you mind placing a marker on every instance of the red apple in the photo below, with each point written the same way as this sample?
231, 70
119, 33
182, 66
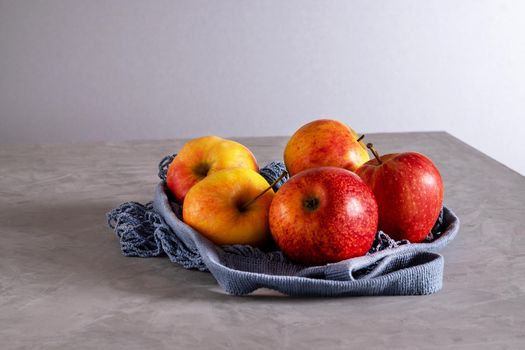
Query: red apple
324, 142
323, 215
409, 192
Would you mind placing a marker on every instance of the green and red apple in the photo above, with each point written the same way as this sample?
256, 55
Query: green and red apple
324, 142
324, 215
204, 156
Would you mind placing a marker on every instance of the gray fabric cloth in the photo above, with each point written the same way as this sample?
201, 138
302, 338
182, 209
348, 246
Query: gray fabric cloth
390, 268
143, 233
408, 269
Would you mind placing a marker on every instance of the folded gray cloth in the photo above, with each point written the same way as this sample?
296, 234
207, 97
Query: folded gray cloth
405, 270
390, 268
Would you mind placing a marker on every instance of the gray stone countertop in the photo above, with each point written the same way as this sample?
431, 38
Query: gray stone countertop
65, 285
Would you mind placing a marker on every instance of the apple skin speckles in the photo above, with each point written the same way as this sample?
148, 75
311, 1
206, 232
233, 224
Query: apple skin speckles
342, 226
324, 142
409, 192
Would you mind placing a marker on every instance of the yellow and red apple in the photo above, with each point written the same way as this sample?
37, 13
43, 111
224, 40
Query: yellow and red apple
324, 215
324, 142
204, 156
221, 207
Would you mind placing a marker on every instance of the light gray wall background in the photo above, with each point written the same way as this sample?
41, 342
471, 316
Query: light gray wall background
76, 71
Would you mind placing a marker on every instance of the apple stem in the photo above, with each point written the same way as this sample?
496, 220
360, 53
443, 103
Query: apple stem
361, 137
245, 206
370, 146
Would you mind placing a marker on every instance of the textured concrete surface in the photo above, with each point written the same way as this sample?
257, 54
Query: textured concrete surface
64, 284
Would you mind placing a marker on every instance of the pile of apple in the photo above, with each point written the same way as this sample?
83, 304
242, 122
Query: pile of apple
329, 210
